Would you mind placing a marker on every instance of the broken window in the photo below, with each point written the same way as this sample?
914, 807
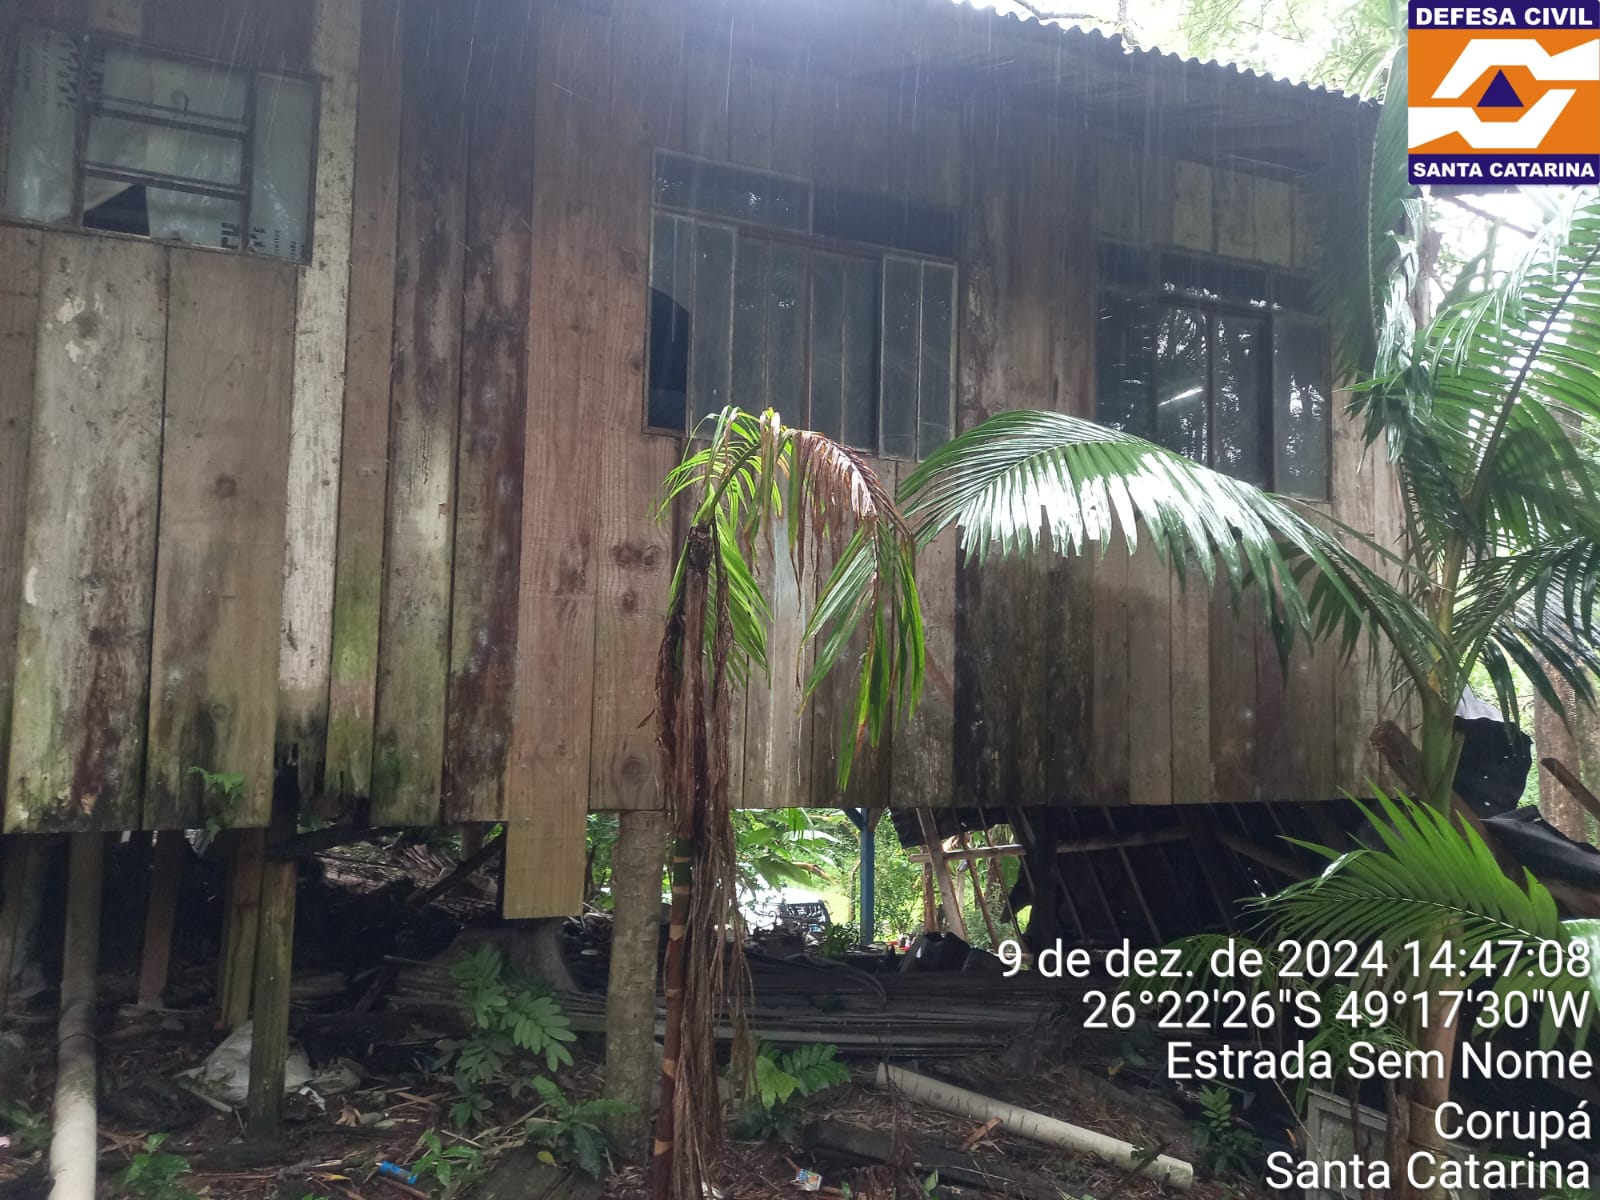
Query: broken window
836, 310
1211, 360
105, 135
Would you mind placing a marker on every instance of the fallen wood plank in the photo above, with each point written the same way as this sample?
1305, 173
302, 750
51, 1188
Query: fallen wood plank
1243, 846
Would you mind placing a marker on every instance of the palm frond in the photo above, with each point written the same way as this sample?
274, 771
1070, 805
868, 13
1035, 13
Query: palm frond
1430, 882
752, 476
1024, 480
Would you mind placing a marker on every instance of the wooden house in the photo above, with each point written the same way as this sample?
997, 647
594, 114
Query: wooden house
344, 345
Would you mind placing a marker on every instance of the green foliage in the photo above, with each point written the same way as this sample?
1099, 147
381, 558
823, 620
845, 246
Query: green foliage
28, 1130
515, 1023
840, 939
451, 1167
224, 790
153, 1174
573, 1131
786, 847
781, 1079
1431, 881
1223, 1146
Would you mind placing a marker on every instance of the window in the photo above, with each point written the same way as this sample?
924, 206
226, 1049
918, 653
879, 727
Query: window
837, 310
1217, 362
108, 136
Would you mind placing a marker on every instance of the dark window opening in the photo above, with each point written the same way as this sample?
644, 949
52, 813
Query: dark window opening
844, 339
1207, 360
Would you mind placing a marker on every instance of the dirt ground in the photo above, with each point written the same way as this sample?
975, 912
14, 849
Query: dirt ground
353, 926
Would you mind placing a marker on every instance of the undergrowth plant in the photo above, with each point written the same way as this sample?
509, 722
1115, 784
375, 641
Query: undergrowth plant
153, 1173
782, 1078
1221, 1144
451, 1167
571, 1132
516, 1028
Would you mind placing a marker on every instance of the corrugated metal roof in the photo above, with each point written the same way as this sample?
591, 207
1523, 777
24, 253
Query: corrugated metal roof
1032, 26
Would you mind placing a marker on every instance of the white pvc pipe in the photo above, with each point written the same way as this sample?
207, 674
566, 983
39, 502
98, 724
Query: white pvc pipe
1034, 1126
75, 1145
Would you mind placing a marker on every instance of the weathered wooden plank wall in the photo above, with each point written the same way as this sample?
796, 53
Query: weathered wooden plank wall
321, 322
474, 575
19, 324
87, 573
364, 456
224, 468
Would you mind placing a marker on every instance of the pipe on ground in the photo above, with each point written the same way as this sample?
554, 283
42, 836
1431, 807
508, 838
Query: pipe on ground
75, 1146
1034, 1126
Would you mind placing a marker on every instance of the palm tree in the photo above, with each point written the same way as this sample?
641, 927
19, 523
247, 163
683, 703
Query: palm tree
1481, 410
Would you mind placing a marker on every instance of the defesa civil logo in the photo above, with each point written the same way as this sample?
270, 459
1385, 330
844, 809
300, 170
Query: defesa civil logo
1504, 93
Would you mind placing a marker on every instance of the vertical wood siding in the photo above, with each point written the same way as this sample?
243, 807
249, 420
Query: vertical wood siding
224, 465
440, 482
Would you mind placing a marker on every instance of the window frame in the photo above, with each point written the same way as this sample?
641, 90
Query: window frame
813, 245
1155, 298
15, 26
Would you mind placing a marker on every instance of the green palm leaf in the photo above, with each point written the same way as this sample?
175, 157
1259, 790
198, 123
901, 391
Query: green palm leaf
1025, 481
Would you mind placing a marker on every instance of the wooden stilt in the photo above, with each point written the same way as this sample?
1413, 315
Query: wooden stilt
166, 866
954, 920
1573, 784
978, 898
269, 1044
27, 856
930, 909
472, 835
241, 927
631, 995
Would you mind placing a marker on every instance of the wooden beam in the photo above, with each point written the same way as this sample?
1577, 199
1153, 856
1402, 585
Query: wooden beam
950, 899
1256, 852
1085, 845
166, 868
26, 857
240, 928
269, 1042
1573, 784
977, 895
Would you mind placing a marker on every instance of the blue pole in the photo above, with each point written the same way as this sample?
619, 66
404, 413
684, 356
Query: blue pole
868, 869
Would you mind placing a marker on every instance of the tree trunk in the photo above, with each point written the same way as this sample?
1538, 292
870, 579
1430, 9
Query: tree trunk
75, 1146
631, 990
672, 1043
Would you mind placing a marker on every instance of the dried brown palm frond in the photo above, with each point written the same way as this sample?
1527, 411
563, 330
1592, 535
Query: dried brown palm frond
751, 475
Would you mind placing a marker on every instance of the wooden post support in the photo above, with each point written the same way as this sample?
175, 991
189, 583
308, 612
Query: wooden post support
930, 910
977, 896
269, 1044
27, 857
166, 867
241, 926
954, 921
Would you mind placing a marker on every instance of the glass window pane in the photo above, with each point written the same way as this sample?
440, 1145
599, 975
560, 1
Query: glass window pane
41, 126
1124, 366
902, 328
1302, 407
1181, 381
1240, 347
671, 294
751, 289
280, 176
711, 324
827, 344
861, 317
125, 81
129, 145
733, 193
938, 358
786, 334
